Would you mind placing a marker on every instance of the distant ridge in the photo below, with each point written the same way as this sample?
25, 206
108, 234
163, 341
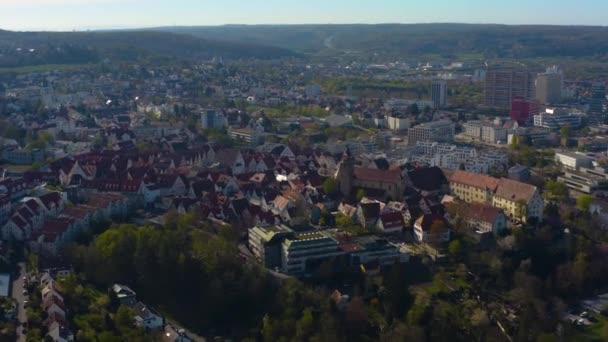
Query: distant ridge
91, 46
487, 40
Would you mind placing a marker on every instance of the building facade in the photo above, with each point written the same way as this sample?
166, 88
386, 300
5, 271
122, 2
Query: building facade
549, 86
596, 114
439, 93
556, 119
504, 85
212, 119
519, 200
436, 131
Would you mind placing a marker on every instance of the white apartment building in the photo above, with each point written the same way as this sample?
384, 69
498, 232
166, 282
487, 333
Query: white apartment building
573, 160
439, 131
485, 131
556, 119
396, 123
452, 157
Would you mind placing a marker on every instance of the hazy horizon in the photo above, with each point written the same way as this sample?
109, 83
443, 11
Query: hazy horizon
126, 27
68, 15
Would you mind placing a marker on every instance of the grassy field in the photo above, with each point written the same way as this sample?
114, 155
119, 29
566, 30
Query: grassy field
44, 67
16, 168
596, 332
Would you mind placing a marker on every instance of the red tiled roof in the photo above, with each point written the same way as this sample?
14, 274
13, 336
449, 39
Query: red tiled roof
376, 175
481, 212
474, 180
513, 190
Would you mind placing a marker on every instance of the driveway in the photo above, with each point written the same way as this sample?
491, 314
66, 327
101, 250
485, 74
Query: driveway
19, 297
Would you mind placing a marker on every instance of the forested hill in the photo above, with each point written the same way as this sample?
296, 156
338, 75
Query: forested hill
33, 48
490, 41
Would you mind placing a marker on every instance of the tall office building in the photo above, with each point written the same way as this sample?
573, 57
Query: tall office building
549, 86
439, 93
212, 119
596, 114
504, 85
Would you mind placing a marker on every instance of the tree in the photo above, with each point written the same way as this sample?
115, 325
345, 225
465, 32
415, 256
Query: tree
556, 191
583, 202
564, 132
123, 319
437, 229
331, 186
360, 194
414, 110
455, 248
305, 325
521, 209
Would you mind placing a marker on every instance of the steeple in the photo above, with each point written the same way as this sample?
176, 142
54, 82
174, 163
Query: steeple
346, 172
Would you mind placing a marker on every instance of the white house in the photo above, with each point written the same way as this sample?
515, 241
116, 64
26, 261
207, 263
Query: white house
146, 318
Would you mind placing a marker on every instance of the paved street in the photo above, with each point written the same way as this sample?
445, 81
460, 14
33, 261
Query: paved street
18, 295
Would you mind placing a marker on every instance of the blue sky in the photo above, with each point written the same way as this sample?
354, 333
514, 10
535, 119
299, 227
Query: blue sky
93, 14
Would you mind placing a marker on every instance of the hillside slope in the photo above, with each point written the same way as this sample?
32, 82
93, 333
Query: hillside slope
32, 48
396, 40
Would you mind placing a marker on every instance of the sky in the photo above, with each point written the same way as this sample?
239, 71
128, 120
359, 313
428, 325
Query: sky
105, 14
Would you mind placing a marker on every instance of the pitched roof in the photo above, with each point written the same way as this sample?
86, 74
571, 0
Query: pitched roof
426, 221
514, 191
481, 212
50, 198
474, 180
375, 175
392, 219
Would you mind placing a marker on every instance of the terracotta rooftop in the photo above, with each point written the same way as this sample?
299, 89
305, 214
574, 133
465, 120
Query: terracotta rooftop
474, 180
375, 175
513, 190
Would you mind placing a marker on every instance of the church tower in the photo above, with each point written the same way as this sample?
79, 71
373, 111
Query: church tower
346, 173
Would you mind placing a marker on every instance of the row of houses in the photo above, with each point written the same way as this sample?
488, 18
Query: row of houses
47, 224
54, 306
145, 317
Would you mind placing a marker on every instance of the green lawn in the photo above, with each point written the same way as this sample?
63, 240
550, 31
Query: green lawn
44, 67
595, 333
16, 168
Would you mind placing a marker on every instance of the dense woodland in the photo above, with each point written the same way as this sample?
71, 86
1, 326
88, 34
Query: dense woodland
193, 273
358, 42
408, 40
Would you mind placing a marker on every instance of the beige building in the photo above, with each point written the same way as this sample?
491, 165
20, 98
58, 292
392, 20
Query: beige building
472, 187
510, 194
517, 199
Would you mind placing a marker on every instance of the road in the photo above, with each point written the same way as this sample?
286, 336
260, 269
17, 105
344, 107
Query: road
193, 336
19, 297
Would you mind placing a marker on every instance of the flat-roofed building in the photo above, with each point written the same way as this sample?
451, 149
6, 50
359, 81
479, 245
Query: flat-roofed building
303, 248
586, 180
436, 131
265, 243
504, 85
573, 160
555, 119
549, 86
